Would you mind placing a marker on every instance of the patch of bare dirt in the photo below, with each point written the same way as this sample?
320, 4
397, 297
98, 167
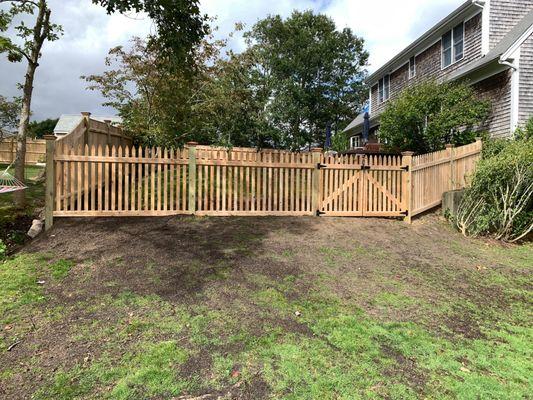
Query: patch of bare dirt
209, 262
405, 368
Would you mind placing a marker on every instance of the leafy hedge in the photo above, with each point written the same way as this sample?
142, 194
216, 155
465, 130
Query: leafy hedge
499, 201
425, 117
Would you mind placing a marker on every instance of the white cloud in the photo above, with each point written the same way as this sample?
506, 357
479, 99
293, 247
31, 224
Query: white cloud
387, 25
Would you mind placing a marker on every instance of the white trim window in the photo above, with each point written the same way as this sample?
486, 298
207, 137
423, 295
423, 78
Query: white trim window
412, 67
355, 142
453, 45
384, 88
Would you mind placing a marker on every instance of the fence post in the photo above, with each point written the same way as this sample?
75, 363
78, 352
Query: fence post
451, 155
317, 154
108, 130
192, 176
86, 115
407, 184
479, 142
50, 182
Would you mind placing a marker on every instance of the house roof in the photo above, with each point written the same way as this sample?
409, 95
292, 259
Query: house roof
359, 120
425, 40
68, 122
515, 37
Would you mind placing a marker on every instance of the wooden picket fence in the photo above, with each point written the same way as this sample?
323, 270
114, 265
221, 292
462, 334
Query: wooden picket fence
94, 181
439, 172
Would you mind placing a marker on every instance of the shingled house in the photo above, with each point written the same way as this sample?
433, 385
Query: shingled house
488, 43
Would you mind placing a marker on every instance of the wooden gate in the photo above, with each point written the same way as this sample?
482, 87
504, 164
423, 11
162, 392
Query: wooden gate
360, 185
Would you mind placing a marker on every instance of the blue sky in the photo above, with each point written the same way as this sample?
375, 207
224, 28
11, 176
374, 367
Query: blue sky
387, 26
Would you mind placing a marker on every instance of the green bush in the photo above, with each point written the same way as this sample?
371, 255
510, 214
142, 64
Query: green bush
424, 118
499, 201
340, 142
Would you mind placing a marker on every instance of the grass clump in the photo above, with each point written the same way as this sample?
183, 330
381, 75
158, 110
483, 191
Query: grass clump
21, 287
149, 371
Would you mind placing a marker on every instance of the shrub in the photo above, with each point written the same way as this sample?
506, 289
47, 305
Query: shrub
424, 118
340, 142
500, 198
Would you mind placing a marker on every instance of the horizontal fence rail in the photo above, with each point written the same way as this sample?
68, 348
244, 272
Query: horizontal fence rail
35, 150
362, 186
439, 172
95, 180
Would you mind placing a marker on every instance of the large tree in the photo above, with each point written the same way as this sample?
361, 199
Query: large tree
180, 24
296, 77
231, 107
27, 48
155, 97
314, 74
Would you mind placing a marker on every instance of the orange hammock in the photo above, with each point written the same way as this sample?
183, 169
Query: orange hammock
8, 183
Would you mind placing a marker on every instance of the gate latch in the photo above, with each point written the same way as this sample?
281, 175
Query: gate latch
365, 167
320, 166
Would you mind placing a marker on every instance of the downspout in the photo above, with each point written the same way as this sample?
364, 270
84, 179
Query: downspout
485, 24
513, 63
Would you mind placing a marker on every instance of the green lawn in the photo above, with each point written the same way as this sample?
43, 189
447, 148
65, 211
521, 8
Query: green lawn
281, 308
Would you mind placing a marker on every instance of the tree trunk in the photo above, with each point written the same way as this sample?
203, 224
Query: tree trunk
40, 34
20, 195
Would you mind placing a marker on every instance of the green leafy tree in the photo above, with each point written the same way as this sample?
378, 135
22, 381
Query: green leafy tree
261, 97
313, 73
37, 129
180, 25
154, 98
26, 45
424, 118
231, 106
9, 113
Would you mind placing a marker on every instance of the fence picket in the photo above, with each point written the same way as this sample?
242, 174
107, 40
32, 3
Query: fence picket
106, 180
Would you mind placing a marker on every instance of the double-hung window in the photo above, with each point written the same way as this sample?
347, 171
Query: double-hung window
384, 88
453, 45
355, 142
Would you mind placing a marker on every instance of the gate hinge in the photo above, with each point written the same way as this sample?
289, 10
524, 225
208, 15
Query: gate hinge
406, 168
319, 213
365, 167
320, 166
406, 213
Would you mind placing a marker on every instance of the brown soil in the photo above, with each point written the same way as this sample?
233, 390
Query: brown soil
209, 262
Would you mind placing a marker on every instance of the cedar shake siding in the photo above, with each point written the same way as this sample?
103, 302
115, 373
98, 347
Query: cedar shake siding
504, 15
497, 89
525, 108
497, 60
429, 64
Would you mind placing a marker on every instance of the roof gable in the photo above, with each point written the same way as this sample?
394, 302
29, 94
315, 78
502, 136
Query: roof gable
467, 10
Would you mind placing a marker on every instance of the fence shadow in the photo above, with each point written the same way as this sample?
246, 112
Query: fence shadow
172, 257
